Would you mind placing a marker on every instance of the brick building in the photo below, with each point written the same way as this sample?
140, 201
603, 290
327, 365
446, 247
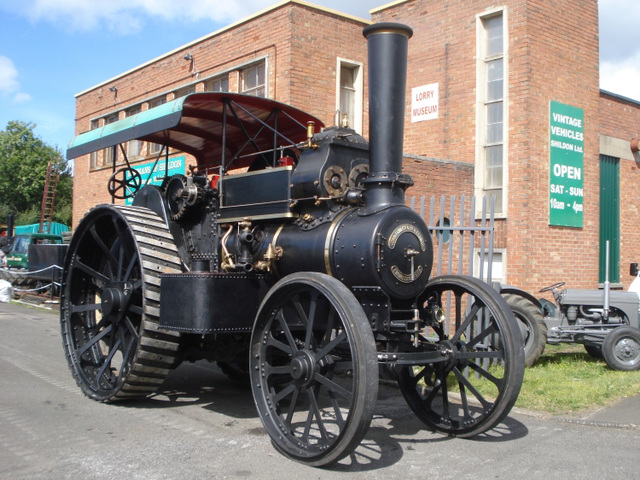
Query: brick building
502, 99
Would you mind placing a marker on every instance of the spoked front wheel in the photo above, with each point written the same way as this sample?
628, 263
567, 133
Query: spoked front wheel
314, 371
479, 378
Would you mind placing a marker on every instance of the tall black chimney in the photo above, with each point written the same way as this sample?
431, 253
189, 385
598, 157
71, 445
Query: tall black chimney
388, 45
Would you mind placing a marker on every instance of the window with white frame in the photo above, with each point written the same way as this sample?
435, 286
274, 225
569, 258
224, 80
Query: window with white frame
183, 92
217, 84
93, 156
349, 94
491, 176
154, 148
498, 265
134, 147
254, 80
110, 155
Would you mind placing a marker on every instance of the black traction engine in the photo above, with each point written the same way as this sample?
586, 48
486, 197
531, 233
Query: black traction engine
286, 255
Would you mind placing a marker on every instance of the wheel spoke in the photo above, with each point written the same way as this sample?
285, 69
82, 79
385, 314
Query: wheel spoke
127, 274
287, 332
292, 405
491, 329
99, 277
477, 354
485, 373
465, 383
314, 411
94, 340
334, 387
282, 370
446, 416
471, 316
107, 362
341, 421
272, 342
106, 251
331, 319
414, 379
89, 307
331, 345
313, 306
288, 390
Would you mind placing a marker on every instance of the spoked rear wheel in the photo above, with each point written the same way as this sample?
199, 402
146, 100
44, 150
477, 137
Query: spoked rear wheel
314, 370
110, 303
478, 382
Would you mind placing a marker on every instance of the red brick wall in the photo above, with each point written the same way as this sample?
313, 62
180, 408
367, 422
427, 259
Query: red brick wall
552, 55
560, 64
620, 119
300, 44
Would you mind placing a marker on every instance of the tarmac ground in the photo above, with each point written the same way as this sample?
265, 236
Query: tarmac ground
202, 425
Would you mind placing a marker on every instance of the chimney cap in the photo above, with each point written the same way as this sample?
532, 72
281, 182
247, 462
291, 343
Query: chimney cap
387, 27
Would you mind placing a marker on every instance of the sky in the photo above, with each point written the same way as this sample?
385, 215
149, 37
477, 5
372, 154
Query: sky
51, 50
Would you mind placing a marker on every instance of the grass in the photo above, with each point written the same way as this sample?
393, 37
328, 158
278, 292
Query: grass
566, 379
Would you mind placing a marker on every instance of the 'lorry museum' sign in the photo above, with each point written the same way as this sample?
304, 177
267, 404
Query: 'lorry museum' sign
566, 155
424, 103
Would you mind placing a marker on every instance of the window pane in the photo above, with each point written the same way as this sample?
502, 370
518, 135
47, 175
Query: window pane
494, 122
497, 193
93, 156
220, 84
156, 102
493, 27
493, 166
133, 146
347, 77
348, 94
111, 153
495, 80
186, 91
253, 80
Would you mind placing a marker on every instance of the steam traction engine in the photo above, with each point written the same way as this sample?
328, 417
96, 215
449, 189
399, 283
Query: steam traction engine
304, 272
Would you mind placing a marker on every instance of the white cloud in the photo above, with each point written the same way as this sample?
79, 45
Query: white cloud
9, 84
129, 16
21, 97
622, 77
8, 76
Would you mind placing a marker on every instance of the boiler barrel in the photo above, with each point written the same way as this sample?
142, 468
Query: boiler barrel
391, 249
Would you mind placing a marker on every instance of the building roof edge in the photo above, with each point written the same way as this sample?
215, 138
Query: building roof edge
619, 97
387, 5
222, 30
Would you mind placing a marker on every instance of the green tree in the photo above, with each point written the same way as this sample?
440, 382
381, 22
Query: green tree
23, 171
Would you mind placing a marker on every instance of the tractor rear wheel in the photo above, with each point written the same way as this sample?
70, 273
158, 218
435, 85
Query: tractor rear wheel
110, 302
532, 326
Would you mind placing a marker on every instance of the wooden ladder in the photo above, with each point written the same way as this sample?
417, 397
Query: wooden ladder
48, 198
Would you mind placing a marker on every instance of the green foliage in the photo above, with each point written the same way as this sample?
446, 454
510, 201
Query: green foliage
566, 379
23, 170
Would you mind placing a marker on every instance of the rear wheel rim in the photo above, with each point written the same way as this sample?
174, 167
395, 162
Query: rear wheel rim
110, 304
